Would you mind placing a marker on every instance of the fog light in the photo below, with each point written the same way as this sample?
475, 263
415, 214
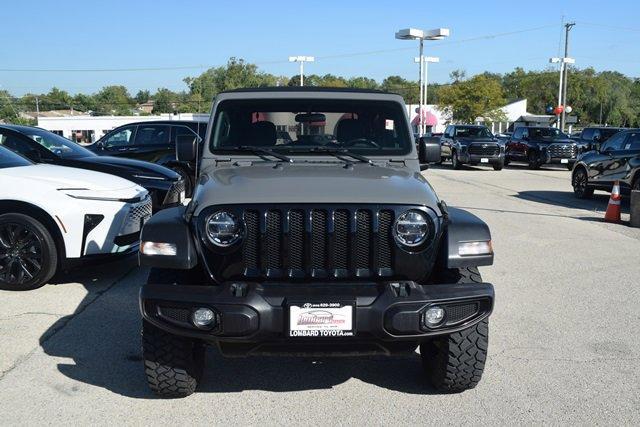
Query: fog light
203, 318
434, 316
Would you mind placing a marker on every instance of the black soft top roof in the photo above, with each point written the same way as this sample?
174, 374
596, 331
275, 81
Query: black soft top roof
305, 89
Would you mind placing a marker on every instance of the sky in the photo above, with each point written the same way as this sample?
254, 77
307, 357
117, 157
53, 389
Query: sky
171, 40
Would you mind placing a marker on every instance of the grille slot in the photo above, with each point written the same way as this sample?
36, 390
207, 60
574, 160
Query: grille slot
362, 249
341, 240
318, 239
296, 240
384, 240
484, 149
180, 315
250, 248
272, 242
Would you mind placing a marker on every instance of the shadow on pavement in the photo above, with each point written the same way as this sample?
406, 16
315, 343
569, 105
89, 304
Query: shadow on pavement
101, 345
566, 199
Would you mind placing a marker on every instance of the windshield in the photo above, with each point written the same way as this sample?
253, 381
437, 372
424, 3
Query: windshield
9, 159
300, 125
57, 144
546, 133
608, 133
473, 132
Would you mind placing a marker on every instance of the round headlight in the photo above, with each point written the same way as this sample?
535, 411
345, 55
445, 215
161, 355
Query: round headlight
411, 228
223, 229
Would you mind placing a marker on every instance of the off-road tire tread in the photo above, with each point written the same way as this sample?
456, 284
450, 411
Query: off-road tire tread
173, 364
455, 363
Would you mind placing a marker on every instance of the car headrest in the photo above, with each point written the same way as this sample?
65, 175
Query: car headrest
262, 134
349, 129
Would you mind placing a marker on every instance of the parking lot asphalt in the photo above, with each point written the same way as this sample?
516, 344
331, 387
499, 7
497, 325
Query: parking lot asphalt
564, 342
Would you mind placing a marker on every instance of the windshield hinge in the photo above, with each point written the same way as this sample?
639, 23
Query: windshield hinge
242, 163
222, 160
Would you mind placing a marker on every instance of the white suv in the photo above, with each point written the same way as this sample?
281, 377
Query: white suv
53, 216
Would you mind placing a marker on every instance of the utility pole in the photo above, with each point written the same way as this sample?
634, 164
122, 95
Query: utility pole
567, 28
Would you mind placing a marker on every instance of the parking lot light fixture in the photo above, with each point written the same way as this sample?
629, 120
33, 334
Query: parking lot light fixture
421, 36
302, 59
563, 64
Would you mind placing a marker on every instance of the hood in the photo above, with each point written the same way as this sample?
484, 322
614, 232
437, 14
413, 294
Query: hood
127, 167
312, 183
469, 140
555, 141
57, 177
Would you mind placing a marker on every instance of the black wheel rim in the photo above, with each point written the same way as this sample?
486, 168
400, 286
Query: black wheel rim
580, 182
20, 253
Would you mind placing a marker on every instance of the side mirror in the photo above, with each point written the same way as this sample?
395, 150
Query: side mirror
430, 148
187, 148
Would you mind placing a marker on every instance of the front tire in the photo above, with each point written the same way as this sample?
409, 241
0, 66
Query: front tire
173, 365
455, 362
498, 166
580, 182
28, 255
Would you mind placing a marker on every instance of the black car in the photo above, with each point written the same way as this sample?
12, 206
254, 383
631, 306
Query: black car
618, 159
537, 145
592, 137
152, 141
41, 146
471, 144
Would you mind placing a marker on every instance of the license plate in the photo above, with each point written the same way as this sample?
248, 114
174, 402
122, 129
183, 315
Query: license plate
564, 160
321, 319
484, 160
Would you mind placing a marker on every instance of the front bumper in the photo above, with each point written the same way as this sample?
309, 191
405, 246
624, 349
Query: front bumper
253, 318
477, 159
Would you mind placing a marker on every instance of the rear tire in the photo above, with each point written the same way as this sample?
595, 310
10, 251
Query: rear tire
454, 363
498, 166
532, 158
28, 254
173, 365
455, 161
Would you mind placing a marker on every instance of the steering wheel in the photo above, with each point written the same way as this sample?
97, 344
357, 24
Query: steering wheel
357, 141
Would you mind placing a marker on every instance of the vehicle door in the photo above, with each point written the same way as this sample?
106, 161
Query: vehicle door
609, 165
513, 147
25, 146
118, 142
152, 143
446, 141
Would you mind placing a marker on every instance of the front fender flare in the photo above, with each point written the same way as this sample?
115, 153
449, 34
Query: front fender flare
465, 227
169, 226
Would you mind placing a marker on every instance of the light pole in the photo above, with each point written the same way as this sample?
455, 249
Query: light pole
301, 60
421, 36
562, 93
425, 78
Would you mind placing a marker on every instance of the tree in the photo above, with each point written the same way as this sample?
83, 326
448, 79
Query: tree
142, 96
164, 101
362, 83
472, 98
236, 74
409, 90
114, 100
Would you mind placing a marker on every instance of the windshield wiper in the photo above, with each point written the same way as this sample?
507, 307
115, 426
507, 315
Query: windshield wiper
339, 153
263, 152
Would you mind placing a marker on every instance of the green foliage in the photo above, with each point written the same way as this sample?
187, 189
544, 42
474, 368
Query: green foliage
477, 96
596, 97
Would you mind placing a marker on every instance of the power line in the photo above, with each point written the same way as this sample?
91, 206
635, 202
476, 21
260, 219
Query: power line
204, 66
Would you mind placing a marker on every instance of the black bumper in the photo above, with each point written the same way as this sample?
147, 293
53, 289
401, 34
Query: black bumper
253, 318
476, 159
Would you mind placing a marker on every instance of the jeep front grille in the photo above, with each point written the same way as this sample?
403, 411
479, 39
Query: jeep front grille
562, 151
484, 149
318, 243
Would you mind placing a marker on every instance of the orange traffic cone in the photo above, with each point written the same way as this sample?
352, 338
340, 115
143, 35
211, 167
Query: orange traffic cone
613, 209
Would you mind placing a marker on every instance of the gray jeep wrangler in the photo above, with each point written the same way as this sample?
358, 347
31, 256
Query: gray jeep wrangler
325, 242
